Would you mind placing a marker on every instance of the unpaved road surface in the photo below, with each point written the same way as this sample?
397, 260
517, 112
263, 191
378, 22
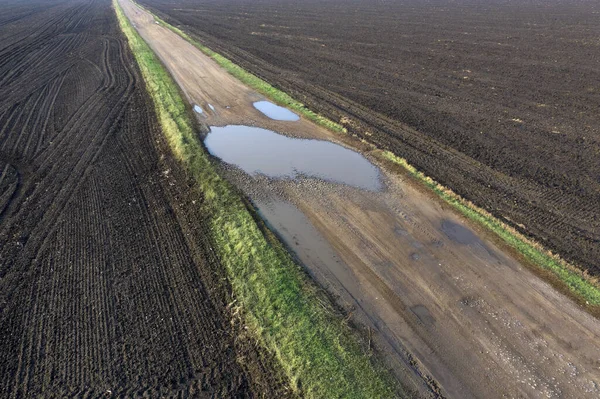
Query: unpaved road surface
495, 99
441, 300
107, 286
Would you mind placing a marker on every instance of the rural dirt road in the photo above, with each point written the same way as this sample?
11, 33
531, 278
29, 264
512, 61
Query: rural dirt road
473, 94
443, 301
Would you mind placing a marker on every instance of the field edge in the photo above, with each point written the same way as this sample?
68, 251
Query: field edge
567, 277
318, 352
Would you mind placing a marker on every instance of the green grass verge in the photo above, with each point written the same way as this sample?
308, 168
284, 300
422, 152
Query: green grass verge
315, 348
577, 281
572, 277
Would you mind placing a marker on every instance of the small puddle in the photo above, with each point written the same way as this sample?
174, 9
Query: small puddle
211, 107
257, 150
198, 109
423, 314
275, 112
459, 233
465, 236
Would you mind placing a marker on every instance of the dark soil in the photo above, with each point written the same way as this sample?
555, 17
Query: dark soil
497, 99
108, 285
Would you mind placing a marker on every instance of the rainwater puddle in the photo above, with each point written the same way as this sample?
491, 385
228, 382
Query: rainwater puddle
464, 236
275, 112
257, 150
459, 233
423, 314
198, 109
211, 107
299, 234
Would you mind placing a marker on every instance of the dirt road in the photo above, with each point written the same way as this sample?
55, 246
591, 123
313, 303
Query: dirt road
443, 300
493, 99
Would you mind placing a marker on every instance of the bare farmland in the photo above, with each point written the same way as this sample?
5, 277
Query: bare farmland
107, 285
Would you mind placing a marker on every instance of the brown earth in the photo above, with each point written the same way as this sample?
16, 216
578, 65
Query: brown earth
108, 286
453, 313
495, 99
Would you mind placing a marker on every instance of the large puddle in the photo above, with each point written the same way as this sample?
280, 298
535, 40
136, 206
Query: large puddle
275, 112
257, 150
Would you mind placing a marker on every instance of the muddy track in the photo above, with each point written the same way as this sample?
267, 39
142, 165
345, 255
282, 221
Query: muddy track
450, 310
108, 283
495, 101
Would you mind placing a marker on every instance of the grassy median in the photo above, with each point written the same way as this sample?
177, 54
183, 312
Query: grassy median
313, 345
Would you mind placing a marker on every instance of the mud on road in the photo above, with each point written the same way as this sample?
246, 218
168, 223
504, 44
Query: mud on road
451, 312
496, 100
107, 284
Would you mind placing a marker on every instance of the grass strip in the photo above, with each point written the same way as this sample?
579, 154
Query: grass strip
313, 345
578, 282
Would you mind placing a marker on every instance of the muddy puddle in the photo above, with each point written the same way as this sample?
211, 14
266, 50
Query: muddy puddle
275, 112
298, 233
261, 151
198, 109
459, 233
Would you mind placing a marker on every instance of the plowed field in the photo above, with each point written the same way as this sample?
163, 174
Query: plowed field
496, 100
107, 284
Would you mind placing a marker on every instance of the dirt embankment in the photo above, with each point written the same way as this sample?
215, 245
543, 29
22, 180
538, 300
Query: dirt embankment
496, 100
446, 305
107, 284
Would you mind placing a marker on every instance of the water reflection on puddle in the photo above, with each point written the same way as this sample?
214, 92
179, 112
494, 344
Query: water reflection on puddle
275, 112
198, 109
257, 150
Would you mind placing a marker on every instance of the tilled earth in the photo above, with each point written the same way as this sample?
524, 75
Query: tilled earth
496, 100
108, 284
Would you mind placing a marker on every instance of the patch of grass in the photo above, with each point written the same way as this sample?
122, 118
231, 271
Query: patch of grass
257, 83
317, 351
575, 279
